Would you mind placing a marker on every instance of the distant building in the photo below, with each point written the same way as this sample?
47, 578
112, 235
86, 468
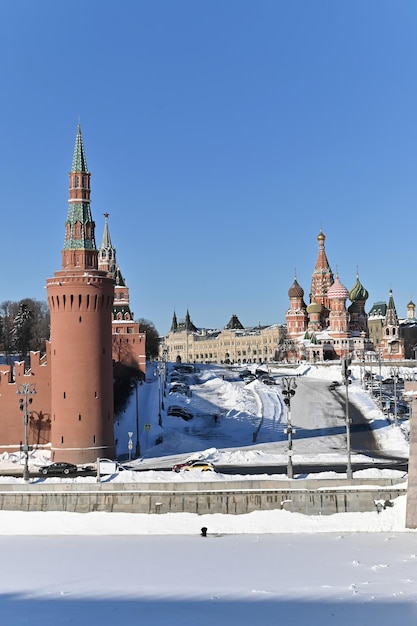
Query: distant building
395, 337
233, 344
385, 330
408, 330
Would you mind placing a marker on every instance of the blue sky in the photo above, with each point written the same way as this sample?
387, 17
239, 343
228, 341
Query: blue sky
222, 135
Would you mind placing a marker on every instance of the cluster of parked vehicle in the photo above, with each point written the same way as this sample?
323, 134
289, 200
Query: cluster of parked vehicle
390, 393
178, 385
247, 376
106, 467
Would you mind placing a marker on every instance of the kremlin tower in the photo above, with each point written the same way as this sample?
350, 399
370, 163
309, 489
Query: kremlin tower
80, 299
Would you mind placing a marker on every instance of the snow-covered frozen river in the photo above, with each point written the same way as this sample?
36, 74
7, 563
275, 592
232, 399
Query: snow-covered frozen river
317, 580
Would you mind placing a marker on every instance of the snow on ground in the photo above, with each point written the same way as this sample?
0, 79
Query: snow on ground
265, 567
243, 424
222, 580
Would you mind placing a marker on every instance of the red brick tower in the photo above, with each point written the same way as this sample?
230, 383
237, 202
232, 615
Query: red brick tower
80, 299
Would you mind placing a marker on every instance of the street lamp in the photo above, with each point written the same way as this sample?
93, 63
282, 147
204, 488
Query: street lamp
395, 373
26, 390
289, 385
160, 399
380, 379
345, 375
136, 382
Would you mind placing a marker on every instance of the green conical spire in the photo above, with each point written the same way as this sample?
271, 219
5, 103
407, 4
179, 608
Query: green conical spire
79, 162
79, 227
106, 241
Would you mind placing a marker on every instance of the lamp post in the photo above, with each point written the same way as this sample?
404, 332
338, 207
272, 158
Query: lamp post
289, 385
135, 383
380, 379
26, 390
160, 401
165, 357
395, 371
345, 375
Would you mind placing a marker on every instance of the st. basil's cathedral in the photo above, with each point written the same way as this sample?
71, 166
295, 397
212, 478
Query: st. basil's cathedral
327, 328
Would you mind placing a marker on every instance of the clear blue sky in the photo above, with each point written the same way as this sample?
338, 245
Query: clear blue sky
221, 136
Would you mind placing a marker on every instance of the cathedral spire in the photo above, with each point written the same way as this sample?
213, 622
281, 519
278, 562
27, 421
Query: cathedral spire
322, 277
79, 246
107, 253
391, 318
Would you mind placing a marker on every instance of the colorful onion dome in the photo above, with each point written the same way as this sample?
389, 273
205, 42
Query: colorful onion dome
295, 291
358, 292
337, 290
321, 236
314, 307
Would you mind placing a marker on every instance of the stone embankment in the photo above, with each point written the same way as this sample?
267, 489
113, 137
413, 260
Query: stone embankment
311, 497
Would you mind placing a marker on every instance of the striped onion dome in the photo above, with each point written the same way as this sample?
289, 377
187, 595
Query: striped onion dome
358, 292
337, 290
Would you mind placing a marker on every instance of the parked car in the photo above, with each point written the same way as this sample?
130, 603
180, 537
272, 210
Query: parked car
109, 466
179, 388
58, 469
180, 411
267, 380
333, 385
203, 466
249, 379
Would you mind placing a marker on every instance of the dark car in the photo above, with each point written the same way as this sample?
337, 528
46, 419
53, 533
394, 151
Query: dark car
179, 388
268, 380
333, 385
180, 411
58, 469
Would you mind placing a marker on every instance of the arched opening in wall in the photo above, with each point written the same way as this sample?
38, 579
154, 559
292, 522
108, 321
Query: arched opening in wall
57, 302
79, 417
95, 302
65, 395
94, 439
64, 300
80, 299
71, 301
80, 319
62, 439
88, 301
